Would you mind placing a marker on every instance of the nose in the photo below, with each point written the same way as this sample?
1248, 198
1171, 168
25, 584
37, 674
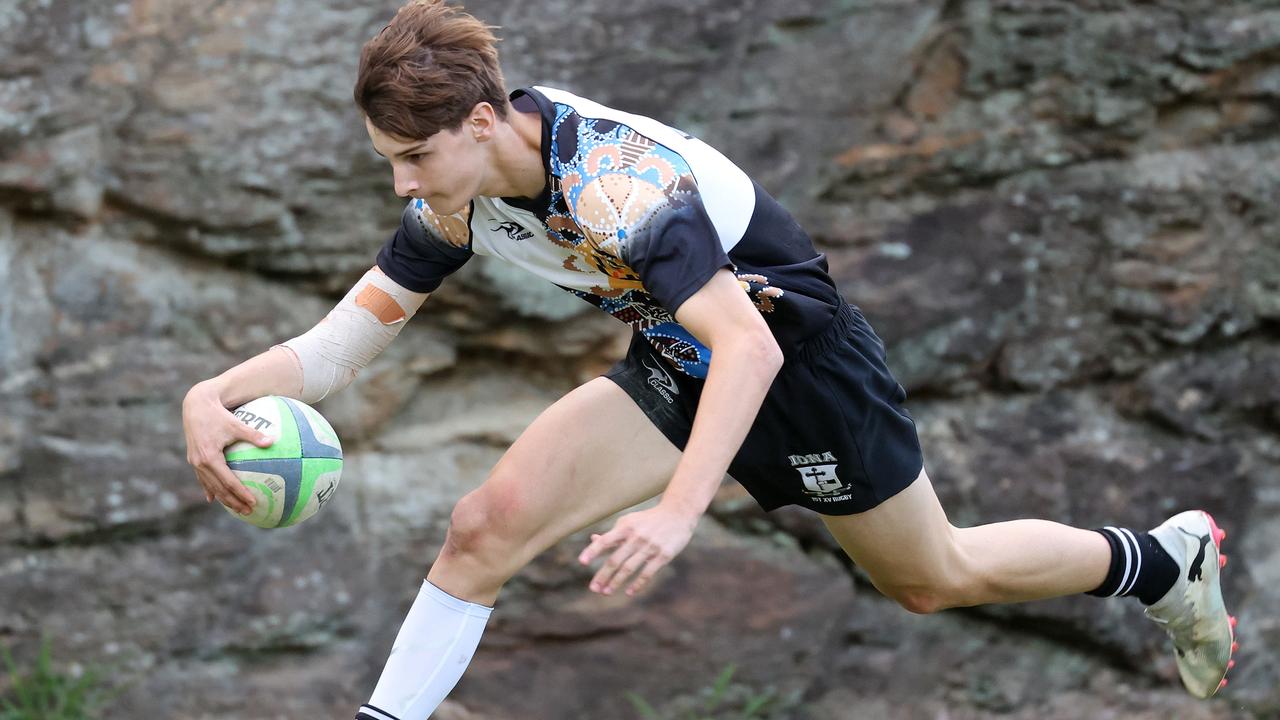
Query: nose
404, 181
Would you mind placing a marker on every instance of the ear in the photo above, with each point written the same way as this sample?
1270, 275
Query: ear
482, 122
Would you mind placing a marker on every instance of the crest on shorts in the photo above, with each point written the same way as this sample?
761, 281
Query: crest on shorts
818, 471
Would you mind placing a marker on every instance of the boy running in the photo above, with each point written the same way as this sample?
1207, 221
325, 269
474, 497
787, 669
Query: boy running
745, 359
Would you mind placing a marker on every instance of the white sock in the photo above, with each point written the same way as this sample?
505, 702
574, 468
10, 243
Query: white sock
431, 651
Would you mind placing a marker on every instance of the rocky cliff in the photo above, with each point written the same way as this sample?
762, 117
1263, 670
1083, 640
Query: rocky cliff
1061, 216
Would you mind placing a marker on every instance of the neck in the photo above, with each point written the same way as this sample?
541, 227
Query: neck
517, 153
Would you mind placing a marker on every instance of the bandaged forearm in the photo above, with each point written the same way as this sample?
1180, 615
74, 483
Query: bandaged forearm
362, 325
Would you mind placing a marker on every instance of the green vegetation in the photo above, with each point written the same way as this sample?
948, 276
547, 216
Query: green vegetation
722, 700
43, 693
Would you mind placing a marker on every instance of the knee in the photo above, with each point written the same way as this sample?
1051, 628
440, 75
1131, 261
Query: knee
948, 584
475, 527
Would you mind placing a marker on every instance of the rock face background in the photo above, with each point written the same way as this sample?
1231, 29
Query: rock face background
1061, 216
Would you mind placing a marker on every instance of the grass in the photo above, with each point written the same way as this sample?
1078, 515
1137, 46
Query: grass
722, 700
44, 693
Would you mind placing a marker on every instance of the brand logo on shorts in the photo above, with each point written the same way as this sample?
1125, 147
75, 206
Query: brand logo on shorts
514, 230
818, 472
661, 381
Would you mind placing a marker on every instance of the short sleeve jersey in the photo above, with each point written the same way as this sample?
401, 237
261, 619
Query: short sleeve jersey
636, 217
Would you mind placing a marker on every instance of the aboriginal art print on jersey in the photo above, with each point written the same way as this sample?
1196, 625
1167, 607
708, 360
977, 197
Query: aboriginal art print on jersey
614, 187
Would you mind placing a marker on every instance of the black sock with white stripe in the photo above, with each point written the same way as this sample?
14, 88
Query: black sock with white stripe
1139, 567
369, 712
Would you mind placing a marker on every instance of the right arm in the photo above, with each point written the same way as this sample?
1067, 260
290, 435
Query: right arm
309, 367
416, 258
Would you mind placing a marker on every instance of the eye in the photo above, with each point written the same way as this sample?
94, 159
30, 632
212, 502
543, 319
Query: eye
415, 158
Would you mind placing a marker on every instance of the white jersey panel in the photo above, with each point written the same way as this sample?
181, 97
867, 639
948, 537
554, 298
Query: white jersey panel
520, 238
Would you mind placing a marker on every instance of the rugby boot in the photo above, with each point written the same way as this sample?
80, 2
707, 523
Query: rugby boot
1193, 612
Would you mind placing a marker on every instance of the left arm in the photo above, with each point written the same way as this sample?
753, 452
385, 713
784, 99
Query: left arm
745, 358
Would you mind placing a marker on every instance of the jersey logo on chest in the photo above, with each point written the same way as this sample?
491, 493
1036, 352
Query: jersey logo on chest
514, 230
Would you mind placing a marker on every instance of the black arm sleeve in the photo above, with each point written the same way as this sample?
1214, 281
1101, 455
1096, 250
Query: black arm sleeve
417, 256
676, 252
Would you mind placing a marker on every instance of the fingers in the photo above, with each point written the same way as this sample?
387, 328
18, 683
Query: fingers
205, 486
600, 544
235, 495
220, 483
241, 431
644, 557
634, 555
611, 573
651, 568
205, 454
233, 492
208, 482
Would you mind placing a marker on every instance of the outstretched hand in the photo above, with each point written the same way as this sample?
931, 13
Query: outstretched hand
642, 541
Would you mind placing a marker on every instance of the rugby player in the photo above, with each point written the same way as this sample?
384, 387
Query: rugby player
745, 360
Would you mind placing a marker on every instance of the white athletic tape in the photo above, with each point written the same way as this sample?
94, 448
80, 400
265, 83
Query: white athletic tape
362, 325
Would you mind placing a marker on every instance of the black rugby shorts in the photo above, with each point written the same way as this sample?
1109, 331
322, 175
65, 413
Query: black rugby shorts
832, 434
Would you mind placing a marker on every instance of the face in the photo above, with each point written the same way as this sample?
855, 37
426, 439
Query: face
445, 170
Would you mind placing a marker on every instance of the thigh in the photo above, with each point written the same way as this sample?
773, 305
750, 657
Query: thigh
591, 454
904, 542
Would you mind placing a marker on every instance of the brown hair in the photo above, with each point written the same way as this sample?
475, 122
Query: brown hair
427, 69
